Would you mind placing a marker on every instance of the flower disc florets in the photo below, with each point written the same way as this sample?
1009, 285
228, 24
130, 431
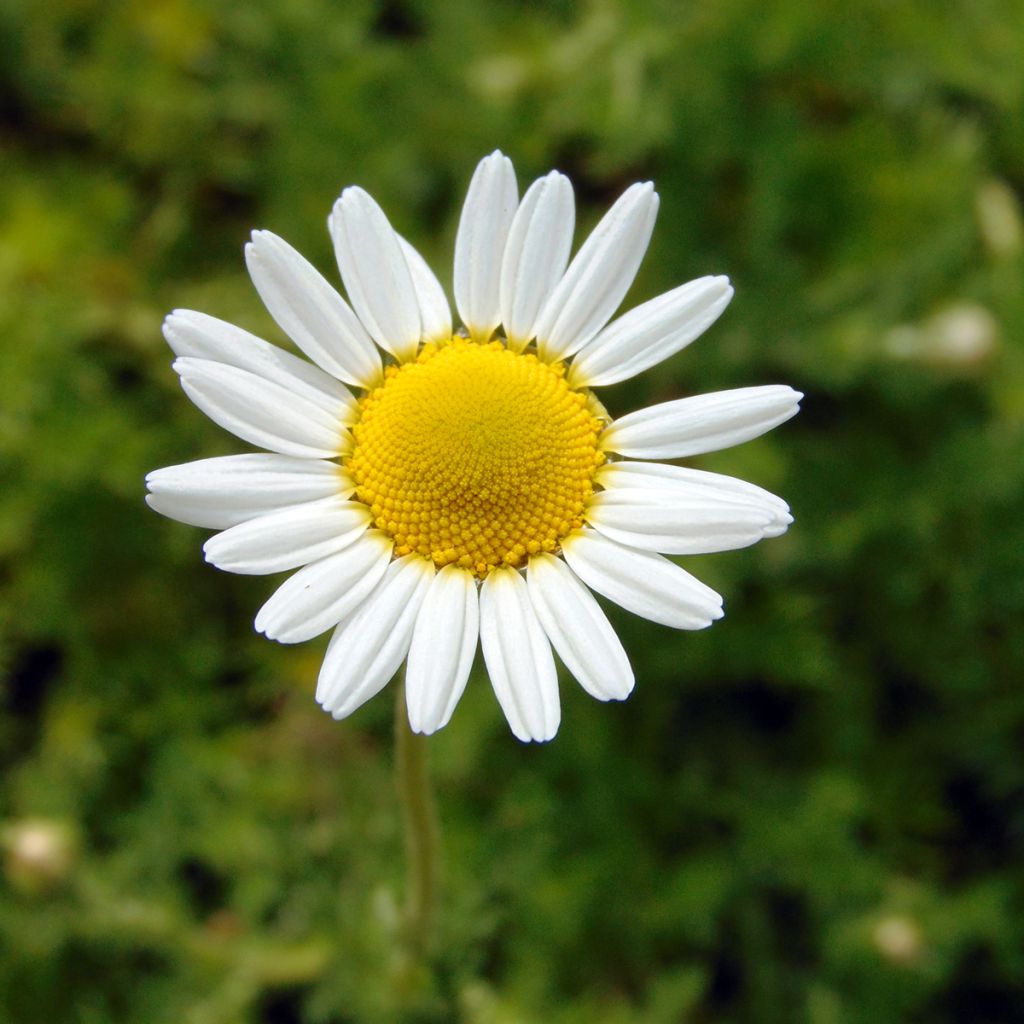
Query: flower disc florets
476, 455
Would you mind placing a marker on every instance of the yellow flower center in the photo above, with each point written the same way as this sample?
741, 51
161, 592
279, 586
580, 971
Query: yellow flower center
476, 455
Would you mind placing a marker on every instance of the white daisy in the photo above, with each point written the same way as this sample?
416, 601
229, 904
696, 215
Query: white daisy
434, 486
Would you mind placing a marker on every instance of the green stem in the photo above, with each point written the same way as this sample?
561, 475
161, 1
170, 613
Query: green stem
422, 837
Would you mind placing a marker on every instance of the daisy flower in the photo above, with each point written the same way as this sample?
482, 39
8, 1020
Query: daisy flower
435, 486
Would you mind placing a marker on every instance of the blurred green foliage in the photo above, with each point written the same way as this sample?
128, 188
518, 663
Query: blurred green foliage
812, 812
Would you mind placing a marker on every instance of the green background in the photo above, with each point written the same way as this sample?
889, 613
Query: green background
813, 811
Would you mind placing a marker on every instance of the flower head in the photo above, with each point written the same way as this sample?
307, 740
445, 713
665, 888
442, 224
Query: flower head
432, 486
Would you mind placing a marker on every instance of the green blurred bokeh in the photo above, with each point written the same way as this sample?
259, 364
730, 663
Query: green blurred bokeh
813, 811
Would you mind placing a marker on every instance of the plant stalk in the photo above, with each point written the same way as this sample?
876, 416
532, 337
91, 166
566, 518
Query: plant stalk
422, 834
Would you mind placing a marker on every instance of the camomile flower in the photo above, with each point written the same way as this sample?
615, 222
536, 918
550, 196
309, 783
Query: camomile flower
431, 486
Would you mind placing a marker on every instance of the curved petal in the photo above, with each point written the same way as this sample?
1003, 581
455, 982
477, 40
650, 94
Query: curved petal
288, 538
199, 336
599, 276
651, 332
703, 423
688, 483
480, 242
536, 254
321, 594
375, 273
443, 645
367, 649
435, 313
577, 628
518, 657
684, 479
225, 491
642, 582
310, 311
262, 411
659, 520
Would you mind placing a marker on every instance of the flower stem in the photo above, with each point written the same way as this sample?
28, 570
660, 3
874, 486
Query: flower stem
422, 838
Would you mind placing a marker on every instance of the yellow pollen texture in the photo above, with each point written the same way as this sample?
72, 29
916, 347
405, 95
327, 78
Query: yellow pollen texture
476, 455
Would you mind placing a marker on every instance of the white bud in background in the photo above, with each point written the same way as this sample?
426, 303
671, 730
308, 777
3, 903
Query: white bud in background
961, 335
999, 219
964, 333
897, 938
38, 854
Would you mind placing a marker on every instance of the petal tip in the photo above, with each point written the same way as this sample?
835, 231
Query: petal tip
171, 324
624, 693
353, 194
542, 736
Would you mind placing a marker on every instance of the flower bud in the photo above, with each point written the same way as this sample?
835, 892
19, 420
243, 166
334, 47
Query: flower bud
38, 854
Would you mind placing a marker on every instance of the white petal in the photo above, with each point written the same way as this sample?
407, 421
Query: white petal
204, 337
599, 275
518, 657
651, 332
443, 645
310, 311
536, 254
375, 273
435, 313
660, 474
641, 581
368, 648
321, 594
262, 411
577, 628
659, 520
288, 538
688, 483
225, 491
480, 242
703, 423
